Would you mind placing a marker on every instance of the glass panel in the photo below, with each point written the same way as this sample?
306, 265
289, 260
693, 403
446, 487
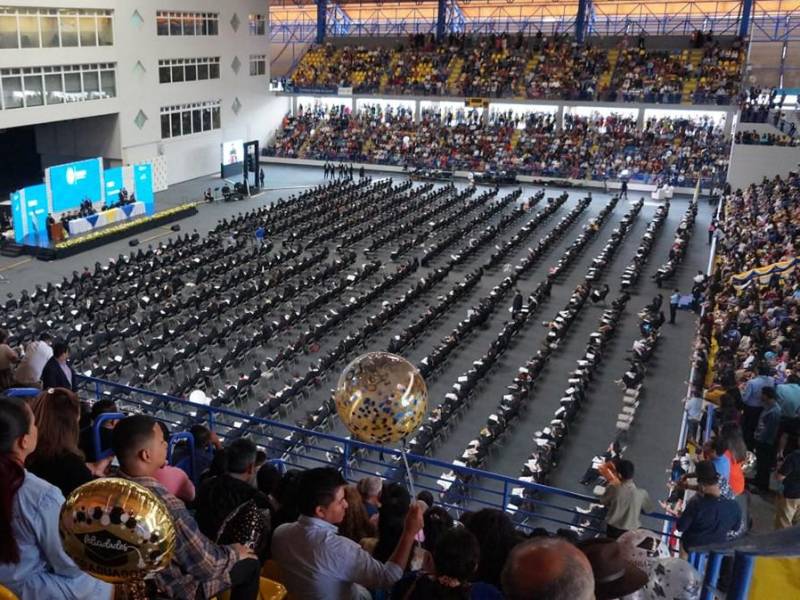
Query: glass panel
164, 75
162, 25
164, 126
29, 31
12, 92
55, 89
72, 87
202, 71
197, 121
191, 72
88, 31
206, 119
201, 26
253, 67
177, 73
188, 25
186, 120
108, 83
8, 31
33, 90
49, 26
215, 117
69, 30
176, 123
91, 85
213, 26
175, 25
213, 71
105, 31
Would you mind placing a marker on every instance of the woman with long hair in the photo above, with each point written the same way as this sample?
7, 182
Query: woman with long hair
33, 563
356, 524
8, 358
57, 458
496, 535
456, 559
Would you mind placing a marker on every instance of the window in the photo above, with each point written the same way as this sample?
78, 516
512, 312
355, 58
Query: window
88, 27
258, 64
48, 24
68, 24
258, 24
29, 31
22, 27
9, 36
188, 119
178, 23
175, 70
37, 86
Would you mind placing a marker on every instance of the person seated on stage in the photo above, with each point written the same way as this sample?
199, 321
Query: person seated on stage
123, 195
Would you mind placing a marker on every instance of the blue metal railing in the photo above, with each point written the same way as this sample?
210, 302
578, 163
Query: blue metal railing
458, 487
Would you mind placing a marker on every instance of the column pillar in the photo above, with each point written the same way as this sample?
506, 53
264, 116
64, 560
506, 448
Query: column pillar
322, 19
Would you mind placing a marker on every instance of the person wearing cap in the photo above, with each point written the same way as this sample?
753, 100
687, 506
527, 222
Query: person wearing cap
614, 576
708, 517
751, 396
766, 438
625, 502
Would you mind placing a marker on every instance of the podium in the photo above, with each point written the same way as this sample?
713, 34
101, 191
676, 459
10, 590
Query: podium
56, 231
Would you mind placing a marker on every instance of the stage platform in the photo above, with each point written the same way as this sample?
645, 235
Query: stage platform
41, 247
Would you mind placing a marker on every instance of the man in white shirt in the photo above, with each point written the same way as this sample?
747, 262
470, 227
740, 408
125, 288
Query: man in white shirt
319, 564
37, 353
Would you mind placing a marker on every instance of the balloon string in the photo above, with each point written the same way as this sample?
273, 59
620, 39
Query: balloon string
408, 469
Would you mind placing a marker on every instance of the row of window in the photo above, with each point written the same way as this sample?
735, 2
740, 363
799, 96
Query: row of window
38, 86
175, 70
55, 28
186, 119
174, 23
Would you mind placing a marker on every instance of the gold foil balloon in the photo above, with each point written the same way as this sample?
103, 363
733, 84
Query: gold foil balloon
381, 398
117, 530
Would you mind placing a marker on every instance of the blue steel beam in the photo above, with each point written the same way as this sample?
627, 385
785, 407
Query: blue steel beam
584, 8
441, 19
322, 9
744, 22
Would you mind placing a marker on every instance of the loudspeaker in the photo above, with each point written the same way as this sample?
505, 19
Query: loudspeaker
134, 242
176, 227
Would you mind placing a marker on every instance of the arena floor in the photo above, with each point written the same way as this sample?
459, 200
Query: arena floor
653, 437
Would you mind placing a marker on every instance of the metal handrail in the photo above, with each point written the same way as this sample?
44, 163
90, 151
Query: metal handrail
350, 447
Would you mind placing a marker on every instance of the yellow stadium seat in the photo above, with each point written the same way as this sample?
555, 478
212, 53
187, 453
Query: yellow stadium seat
7, 594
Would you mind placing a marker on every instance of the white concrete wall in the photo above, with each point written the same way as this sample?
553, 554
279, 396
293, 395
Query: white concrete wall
187, 156
750, 164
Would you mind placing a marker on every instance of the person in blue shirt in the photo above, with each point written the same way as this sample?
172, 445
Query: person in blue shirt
789, 397
751, 396
205, 445
766, 438
674, 301
33, 563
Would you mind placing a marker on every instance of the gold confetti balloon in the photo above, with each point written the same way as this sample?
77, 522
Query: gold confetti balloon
381, 398
117, 530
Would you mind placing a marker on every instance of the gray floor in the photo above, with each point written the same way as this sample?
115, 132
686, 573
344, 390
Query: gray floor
655, 432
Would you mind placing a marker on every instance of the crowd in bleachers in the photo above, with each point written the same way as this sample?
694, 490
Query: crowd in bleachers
745, 354
671, 150
536, 67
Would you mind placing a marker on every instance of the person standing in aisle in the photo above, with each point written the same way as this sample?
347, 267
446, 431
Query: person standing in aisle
674, 301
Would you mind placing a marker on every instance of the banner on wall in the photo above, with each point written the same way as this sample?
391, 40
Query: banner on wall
72, 183
29, 212
143, 186
476, 103
114, 182
762, 275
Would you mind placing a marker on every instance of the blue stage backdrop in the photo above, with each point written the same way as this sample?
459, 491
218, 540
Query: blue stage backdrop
114, 184
143, 186
29, 212
73, 183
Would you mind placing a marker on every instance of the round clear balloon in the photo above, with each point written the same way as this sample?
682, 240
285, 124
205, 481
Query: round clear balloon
381, 398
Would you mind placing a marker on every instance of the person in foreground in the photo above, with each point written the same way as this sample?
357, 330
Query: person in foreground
317, 563
33, 563
547, 569
199, 569
456, 558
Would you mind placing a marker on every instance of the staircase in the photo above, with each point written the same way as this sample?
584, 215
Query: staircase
515, 139
390, 69
529, 68
11, 249
605, 79
690, 85
454, 68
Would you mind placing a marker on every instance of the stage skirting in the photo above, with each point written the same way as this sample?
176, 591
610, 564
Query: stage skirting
106, 217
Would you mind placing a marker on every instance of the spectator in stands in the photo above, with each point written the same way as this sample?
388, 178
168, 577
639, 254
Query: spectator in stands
625, 502
233, 491
8, 358
267, 480
370, 489
286, 499
437, 522
57, 371
199, 568
766, 439
174, 480
788, 396
318, 564
708, 518
753, 404
395, 503
86, 438
456, 559
356, 524
547, 568
33, 563
787, 512
496, 535
57, 458
614, 575
37, 353
206, 444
